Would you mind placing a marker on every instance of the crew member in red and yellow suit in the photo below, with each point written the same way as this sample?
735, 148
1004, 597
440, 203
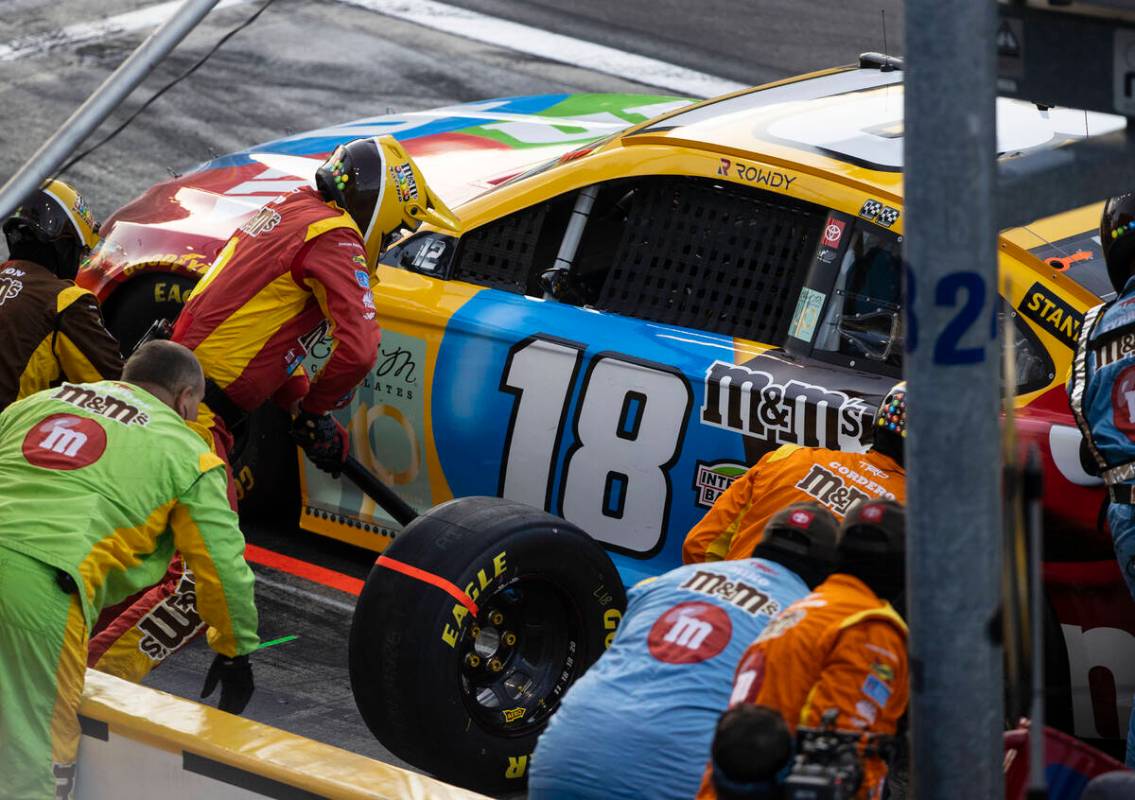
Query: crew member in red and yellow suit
792, 474
299, 270
841, 648
51, 329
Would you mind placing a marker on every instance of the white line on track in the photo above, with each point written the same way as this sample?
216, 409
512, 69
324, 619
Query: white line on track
304, 594
128, 22
552, 46
430, 14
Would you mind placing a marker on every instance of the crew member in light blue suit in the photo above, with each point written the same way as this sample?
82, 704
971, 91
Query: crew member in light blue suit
1101, 389
639, 723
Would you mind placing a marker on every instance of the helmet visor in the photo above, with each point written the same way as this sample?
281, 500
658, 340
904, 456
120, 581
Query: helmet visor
46, 218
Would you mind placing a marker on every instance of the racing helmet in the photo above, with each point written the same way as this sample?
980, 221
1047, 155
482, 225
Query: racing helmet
874, 527
1117, 223
803, 538
52, 227
379, 185
890, 423
872, 547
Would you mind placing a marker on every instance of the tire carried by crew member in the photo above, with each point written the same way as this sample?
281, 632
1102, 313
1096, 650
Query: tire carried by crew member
470, 628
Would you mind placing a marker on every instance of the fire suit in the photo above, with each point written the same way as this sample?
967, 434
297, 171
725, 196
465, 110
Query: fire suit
841, 648
294, 273
1101, 391
655, 695
52, 330
102, 481
787, 475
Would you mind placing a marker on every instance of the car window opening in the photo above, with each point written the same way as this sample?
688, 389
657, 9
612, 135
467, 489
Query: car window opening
696, 252
849, 310
1033, 364
864, 316
710, 255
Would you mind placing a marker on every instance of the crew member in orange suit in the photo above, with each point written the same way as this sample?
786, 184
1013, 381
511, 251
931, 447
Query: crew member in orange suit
843, 647
794, 474
299, 270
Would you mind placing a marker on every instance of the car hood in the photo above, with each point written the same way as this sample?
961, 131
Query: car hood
463, 150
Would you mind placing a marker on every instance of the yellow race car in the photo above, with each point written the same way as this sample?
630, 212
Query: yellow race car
646, 295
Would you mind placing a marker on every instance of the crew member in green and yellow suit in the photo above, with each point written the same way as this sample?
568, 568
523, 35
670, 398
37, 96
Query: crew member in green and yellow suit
101, 483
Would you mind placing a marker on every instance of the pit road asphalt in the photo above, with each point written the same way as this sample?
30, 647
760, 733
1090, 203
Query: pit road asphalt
308, 63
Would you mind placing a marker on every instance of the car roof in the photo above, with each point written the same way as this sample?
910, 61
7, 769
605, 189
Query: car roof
848, 122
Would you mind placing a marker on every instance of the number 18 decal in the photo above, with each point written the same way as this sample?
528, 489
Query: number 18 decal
628, 426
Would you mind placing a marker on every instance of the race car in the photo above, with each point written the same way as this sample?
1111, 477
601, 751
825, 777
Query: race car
645, 296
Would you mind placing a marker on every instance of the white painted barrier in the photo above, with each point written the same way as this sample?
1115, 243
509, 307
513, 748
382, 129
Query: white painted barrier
142, 744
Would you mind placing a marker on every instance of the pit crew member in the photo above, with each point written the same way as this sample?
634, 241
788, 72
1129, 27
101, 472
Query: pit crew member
299, 270
751, 753
843, 647
656, 694
101, 482
1101, 389
51, 329
302, 269
794, 474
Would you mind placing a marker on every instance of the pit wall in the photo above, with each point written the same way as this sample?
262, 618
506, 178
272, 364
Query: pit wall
142, 744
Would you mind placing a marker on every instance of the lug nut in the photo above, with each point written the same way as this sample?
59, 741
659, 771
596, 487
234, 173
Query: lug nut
495, 665
496, 618
475, 631
472, 660
509, 638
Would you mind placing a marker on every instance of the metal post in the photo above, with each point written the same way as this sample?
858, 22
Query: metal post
553, 279
953, 368
574, 231
102, 103
1034, 505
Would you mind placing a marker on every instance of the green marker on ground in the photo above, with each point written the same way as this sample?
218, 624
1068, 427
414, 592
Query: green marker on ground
281, 640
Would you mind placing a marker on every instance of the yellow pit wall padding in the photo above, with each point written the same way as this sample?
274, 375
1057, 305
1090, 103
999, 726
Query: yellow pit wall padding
145, 744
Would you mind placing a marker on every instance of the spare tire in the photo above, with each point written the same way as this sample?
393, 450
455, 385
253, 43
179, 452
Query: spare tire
470, 628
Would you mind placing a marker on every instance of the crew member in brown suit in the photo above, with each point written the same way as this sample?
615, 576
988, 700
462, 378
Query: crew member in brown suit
51, 329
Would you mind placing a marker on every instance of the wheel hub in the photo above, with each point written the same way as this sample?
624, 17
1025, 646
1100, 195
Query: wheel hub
518, 655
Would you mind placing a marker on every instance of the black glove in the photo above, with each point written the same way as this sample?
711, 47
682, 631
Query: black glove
323, 439
235, 676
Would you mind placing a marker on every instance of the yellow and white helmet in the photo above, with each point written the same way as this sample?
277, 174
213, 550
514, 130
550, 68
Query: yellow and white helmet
53, 223
379, 185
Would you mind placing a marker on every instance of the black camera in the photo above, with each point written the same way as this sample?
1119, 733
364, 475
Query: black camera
829, 762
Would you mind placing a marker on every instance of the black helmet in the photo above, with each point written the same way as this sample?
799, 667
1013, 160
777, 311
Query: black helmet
379, 185
52, 227
874, 528
1117, 222
803, 538
890, 423
872, 547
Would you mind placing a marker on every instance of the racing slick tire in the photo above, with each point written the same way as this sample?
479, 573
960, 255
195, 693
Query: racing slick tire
136, 304
465, 694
